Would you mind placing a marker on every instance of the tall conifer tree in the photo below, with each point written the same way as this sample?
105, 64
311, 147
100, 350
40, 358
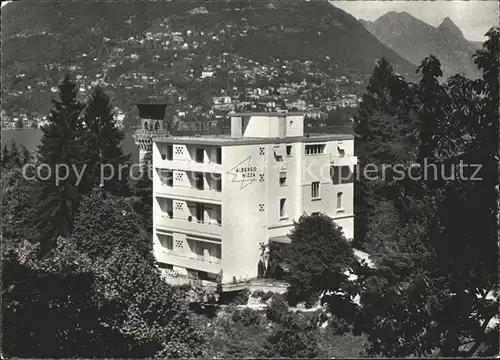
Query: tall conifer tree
143, 191
57, 201
102, 146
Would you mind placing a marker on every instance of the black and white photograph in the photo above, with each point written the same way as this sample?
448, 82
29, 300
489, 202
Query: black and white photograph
259, 179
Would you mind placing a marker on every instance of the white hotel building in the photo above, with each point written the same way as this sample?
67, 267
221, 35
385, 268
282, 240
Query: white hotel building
219, 198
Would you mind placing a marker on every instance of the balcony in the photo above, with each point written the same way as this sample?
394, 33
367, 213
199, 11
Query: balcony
189, 193
188, 165
189, 262
164, 221
344, 160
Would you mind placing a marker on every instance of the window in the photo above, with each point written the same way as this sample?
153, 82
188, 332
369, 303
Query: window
278, 154
289, 150
282, 208
346, 175
315, 190
167, 177
200, 212
166, 241
282, 178
339, 201
218, 185
200, 251
215, 253
315, 149
218, 157
170, 151
200, 155
200, 181
166, 206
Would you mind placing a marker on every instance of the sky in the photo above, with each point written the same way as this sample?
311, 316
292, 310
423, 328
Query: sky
474, 18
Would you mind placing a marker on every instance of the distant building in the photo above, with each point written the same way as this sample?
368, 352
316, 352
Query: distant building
219, 198
207, 74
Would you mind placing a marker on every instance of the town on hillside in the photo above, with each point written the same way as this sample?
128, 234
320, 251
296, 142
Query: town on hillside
306, 179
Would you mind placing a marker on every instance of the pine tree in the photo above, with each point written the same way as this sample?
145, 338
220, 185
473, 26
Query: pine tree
5, 156
57, 201
25, 155
103, 145
14, 156
143, 192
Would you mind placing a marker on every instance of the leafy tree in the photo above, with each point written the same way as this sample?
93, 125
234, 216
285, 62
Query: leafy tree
435, 289
292, 339
103, 145
277, 309
106, 222
70, 305
319, 255
51, 309
17, 204
57, 201
384, 127
247, 317
153, 314
433, 109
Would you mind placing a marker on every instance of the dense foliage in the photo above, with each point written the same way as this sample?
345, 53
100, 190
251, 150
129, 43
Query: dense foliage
319, 255
106, 223
96, 293
435, 288
70, 305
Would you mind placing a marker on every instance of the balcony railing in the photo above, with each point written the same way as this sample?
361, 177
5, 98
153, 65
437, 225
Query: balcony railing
214, 189
202, 258
152, 132
165, 215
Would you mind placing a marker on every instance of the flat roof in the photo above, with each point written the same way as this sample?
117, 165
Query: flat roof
268, 114
227, 140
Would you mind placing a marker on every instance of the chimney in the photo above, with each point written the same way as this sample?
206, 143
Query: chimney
236, 127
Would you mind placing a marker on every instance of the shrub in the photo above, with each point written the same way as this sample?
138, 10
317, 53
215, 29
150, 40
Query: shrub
258, 294
235, 298
247, 317
266, 296
277, 309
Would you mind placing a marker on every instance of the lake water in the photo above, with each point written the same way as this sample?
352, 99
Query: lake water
31, 138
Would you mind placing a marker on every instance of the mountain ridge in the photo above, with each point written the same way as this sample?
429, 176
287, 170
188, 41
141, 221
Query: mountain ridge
415, 39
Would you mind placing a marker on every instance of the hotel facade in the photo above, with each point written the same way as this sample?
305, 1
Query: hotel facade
218, 199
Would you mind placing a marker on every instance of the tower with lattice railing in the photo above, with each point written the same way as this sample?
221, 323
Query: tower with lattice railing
152, 125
